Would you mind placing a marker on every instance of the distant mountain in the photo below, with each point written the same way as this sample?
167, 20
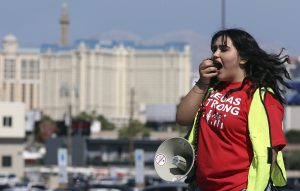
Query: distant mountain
118, 35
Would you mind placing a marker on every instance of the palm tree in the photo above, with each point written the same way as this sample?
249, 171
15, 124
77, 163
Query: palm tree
131, 132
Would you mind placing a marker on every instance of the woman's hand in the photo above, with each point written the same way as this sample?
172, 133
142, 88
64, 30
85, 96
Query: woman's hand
207, 70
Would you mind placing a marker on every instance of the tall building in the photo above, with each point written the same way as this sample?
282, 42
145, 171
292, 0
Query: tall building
115, 79
19, 73
64, 26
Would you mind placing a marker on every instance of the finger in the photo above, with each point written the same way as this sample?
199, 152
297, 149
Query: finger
210, 75
208, 70
205, 64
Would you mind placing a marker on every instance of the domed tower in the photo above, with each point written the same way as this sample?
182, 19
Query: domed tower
10, 44
64, 25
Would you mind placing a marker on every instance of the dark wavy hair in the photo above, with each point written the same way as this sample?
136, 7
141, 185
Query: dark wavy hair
262, 69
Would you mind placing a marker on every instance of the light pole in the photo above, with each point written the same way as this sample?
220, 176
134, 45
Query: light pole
223, 14
69, 134
66, 91
131, 138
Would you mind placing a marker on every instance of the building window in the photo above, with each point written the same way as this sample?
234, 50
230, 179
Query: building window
31, 96
6, 161
37, 70
9, 69
30, 69
12, 92
24, 69
7, 121
24, 93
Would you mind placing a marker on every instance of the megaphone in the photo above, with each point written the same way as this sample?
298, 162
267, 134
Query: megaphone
174, 159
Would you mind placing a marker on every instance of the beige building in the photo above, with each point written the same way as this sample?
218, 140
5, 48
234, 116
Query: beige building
19, 73
115, 79
12, 137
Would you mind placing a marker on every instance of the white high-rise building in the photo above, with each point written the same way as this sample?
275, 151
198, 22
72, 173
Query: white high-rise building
116, 79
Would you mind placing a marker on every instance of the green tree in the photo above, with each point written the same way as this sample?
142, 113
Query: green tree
105, 124
131, 132
84, 116
134, 129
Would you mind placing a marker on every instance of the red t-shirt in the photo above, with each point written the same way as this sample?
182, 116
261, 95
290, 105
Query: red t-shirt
224, 146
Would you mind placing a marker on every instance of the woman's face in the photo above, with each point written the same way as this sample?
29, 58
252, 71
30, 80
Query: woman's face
224, 52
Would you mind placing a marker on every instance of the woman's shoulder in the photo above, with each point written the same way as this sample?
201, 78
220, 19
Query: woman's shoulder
270, 99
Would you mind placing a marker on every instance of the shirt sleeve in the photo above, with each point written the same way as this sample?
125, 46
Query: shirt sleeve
275, 113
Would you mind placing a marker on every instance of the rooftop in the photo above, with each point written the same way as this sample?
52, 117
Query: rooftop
93, 43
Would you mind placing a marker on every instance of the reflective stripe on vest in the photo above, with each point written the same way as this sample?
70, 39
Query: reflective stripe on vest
258, 125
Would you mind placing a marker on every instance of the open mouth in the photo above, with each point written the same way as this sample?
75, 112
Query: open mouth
217, 64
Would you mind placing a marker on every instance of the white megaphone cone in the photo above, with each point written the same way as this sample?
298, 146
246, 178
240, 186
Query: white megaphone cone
174, 159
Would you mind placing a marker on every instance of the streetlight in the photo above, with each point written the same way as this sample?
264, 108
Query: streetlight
131, 136
66, 91
223, 14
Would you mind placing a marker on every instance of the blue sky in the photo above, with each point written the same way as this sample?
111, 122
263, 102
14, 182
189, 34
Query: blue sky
274, 23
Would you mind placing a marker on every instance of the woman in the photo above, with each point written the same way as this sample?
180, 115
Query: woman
228, 151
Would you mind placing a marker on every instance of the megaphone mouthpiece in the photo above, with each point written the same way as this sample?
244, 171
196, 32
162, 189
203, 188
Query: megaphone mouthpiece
180, 162
174, 159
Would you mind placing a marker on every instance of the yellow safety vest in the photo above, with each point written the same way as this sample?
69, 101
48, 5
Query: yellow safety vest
259, 132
